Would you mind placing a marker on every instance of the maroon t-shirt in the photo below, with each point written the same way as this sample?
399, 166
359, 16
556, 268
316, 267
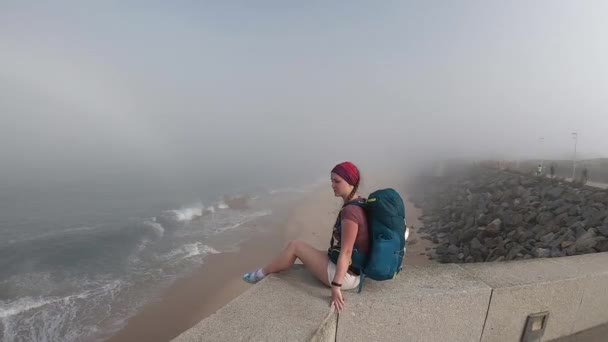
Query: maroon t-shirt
356, 214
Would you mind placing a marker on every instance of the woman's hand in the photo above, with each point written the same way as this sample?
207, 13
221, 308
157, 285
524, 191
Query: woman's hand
337, 300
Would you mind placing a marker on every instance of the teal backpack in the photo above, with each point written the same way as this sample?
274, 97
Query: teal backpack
385, 213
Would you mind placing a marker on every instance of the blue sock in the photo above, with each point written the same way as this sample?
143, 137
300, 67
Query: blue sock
254, 277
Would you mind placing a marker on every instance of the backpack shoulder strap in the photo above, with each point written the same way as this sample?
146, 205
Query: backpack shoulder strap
360, 202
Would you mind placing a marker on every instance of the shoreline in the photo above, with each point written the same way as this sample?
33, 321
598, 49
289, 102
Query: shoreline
218, 280
191, 299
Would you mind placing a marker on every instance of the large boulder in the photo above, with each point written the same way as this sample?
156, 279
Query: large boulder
602, 246
562, 209
475, 244
544, 217
543, 252
554, 192
514, 252
594, 216
586, 242
496, 224
603, 229
467, 235
574, 210
453, 250
547, 237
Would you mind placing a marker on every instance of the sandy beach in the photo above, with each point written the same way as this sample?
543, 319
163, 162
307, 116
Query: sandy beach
218, 281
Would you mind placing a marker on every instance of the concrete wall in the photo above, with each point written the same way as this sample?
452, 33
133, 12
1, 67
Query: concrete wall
441, 302
526, 287
591, 271
292, 307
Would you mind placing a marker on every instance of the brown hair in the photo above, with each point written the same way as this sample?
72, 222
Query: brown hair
352, 193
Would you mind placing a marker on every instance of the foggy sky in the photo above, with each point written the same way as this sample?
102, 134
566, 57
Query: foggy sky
190, 88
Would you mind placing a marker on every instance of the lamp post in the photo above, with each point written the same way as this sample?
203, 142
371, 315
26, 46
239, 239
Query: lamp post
575, 137
541, 151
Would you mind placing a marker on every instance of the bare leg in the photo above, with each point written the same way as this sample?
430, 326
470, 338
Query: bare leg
313, 259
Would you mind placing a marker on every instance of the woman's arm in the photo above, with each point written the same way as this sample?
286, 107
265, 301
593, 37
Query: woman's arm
349, 235
347, 243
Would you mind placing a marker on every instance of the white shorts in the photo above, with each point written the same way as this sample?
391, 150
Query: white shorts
349, 282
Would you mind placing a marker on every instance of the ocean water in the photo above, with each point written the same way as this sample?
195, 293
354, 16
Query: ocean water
77, 260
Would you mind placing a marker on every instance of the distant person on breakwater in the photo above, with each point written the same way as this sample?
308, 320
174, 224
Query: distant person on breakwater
585, 176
